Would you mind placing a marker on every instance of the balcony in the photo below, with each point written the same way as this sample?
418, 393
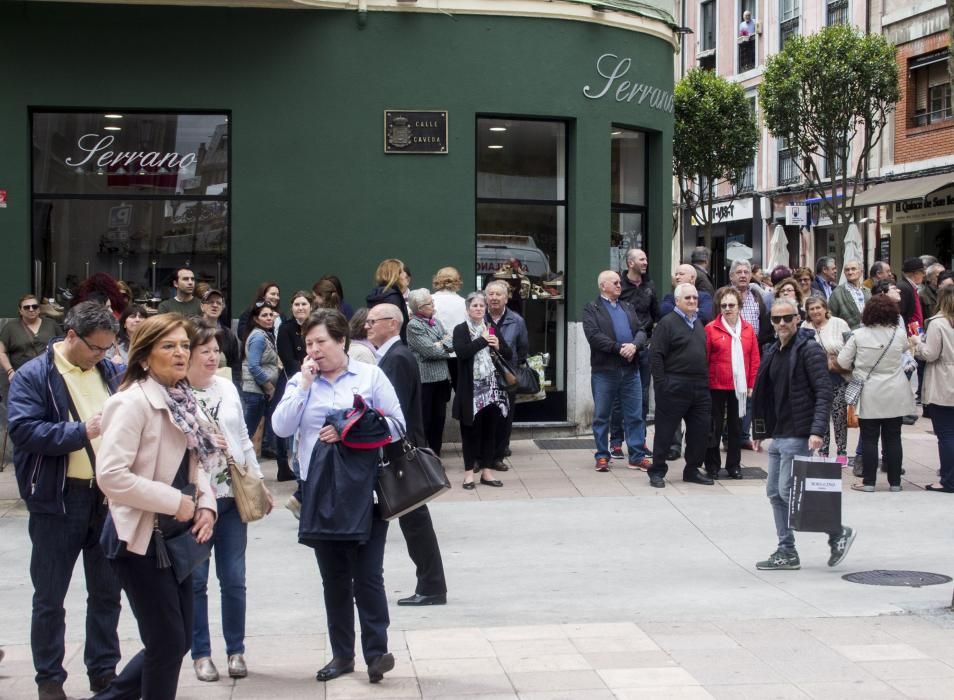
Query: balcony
787, 170
746, 53
746, 181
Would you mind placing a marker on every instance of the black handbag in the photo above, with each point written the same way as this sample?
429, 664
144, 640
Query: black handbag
176, 546
528, 381
412, 477
506, 375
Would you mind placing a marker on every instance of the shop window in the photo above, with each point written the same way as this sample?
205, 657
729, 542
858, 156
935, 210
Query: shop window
521, 214
132, 194
930, 88
707, 35
787, 165
627, 195
789, 17
837, 12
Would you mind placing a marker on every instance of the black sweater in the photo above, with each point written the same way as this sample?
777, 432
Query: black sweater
679, 350
463, 408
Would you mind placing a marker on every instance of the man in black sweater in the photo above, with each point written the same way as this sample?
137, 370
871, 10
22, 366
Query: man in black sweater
681, 380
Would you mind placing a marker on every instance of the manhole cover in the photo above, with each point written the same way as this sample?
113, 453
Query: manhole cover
887, 577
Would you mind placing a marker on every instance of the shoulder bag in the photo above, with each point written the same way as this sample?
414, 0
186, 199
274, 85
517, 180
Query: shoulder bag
251, 501
409, 480
853, 390
506, 375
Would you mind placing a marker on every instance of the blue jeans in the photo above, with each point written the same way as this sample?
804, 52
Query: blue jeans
616, 417
228, 547
943, 419
622, 383
781, 452
58, 540
256, 407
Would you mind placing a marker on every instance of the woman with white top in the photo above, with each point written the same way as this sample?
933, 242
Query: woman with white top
830, 332
449, 308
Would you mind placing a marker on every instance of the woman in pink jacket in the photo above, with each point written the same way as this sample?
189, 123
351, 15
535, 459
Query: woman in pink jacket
733, 353
153, 446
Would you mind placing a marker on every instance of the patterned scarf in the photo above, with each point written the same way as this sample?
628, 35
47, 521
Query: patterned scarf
483, 364
181, 403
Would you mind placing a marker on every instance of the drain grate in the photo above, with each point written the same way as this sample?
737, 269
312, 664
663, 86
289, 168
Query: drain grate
565, 444
754, 473
888, 577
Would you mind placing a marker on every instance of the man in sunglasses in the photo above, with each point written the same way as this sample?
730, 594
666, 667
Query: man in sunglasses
791, 405
55, 408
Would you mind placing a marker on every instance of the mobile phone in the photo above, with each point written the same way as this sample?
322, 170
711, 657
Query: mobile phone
491, 330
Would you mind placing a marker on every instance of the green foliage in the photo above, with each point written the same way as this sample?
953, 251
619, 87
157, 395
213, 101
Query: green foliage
715, 138
828, 94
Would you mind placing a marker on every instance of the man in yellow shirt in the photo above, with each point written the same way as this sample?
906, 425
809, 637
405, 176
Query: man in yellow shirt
54, 410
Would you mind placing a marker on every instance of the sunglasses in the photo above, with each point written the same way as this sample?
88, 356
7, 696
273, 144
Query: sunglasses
30, 307
784, 318
728, 306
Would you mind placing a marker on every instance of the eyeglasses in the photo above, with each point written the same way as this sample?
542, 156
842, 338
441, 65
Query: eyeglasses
784, 318
95, 348
30, 307
372, 321
689, 296
729, 306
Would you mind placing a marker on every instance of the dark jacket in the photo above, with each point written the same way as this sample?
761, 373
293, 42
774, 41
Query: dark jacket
513, 329
842, 304
599, 332
704, 281
390, 295
908, 294
679, 352
43, 431
400, 367
643, 298
706, 312
230, 346
463, 408
291, 347
809, 389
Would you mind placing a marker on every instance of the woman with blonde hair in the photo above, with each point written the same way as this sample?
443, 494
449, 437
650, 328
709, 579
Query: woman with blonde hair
392, 282
449, 307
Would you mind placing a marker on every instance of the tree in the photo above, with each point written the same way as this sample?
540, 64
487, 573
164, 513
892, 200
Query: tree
715, 139
825, 93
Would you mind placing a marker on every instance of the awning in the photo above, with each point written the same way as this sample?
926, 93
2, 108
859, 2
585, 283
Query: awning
900, 190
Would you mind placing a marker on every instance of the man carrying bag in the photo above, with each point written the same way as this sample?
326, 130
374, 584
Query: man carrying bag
791, 405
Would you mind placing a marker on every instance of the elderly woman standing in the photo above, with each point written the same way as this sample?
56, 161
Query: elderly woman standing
875, 351
431, 346
153, 445
221, 412
830, 332
25, 338
352, 565
479, 404
733, 354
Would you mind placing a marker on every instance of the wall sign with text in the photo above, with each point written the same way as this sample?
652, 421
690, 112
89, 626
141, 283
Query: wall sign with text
613, 69
407, 131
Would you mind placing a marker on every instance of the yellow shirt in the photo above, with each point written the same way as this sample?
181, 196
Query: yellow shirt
89, 393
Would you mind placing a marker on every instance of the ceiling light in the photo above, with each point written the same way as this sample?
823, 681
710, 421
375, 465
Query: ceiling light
113, 116
498, 128
615, 133
113, 128
495, 147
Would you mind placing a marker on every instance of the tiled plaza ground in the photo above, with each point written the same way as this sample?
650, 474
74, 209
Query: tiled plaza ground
571, 584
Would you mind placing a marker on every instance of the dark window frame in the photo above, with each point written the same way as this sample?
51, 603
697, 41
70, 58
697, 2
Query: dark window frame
623, 207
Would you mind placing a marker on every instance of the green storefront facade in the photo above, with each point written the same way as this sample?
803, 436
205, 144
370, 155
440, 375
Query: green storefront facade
293, 100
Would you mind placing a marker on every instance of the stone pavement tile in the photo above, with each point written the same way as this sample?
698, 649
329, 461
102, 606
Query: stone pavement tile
910, 668
518, 663
588, 694
356, 688
516, 632
725, 666
628, 659
879, 652
756, 691
754, 634
276, 688
554, 681
852, 690
629, 644
533, 647
812, 666
681, 635
483, 696
462, 686
923, 688
646, 678
210, 691
685, 692
450, 667
510, 492
452, 643
566, 491
601, 490
605, 629
840, 631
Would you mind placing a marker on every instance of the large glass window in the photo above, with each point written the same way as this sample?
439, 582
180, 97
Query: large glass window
132, 194
790, 12
929, 88
707, 34
627, 195
521, 214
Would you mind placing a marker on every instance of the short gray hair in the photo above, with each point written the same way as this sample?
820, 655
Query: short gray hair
498, 283
680, 291
631, 254
468, 300
791, 303
87, 317
740, 262
417, 298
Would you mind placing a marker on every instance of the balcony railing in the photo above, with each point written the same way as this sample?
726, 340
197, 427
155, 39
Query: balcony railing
746, 181
837, 12
786, 30
787, 170
746, 53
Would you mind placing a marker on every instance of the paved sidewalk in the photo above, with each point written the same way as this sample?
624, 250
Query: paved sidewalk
567, 583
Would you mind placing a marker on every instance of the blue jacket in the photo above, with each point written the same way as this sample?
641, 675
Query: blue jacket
43, 431
706, 310
513, 329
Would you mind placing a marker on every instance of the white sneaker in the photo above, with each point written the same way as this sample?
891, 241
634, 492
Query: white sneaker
294, 505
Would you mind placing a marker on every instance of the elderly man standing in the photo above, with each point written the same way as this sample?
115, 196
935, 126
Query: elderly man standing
699, 258
686, 274
55, 412
791, 405
616, 338
509, 325
848, 300
681, 381
826, 276
399, 366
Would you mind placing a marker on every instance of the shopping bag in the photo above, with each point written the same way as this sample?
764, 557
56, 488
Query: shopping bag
814, 504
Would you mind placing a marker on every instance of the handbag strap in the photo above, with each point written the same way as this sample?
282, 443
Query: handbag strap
883, 353
87, 445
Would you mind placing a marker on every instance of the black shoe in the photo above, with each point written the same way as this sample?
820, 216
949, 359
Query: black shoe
500, 466
490, 482
418, 599
379, 666
697, 478
285, 473
50, 690
507, 452
747, 445
100, 683
657, 482
674, 453
713, 475
469, 485
268, 454
735, 474
335, 668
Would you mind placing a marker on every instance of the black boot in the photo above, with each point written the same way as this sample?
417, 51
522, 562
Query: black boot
284, 471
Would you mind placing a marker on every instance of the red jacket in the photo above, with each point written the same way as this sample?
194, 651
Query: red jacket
719, 352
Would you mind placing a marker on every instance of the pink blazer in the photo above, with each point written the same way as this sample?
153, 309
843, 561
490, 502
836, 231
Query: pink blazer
137, 460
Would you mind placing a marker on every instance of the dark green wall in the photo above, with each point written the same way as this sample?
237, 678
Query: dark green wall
312, 191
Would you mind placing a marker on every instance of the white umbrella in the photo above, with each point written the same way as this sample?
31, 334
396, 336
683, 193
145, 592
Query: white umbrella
806, 248
778, 249
738, 251
852, 248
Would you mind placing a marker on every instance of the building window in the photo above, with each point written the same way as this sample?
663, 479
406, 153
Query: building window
133, 194
627, 195
746, 178
837, 12
789, 16
707, 35
747, 36
930, 88
521, 214
787, 168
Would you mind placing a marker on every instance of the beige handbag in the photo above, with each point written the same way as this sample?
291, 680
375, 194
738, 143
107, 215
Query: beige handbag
251, 500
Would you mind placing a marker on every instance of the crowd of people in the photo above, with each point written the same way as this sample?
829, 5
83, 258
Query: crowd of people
127, 422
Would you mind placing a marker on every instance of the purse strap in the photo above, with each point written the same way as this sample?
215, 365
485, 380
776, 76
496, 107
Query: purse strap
883, 353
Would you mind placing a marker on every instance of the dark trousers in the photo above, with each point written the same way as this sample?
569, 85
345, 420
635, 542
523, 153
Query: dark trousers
943, 419
352, 573
425, 552
889, 429
617, 434
257, 407
679, 399
163, 610
434, 398
479, 439
725, 411
58, 540
504, 431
